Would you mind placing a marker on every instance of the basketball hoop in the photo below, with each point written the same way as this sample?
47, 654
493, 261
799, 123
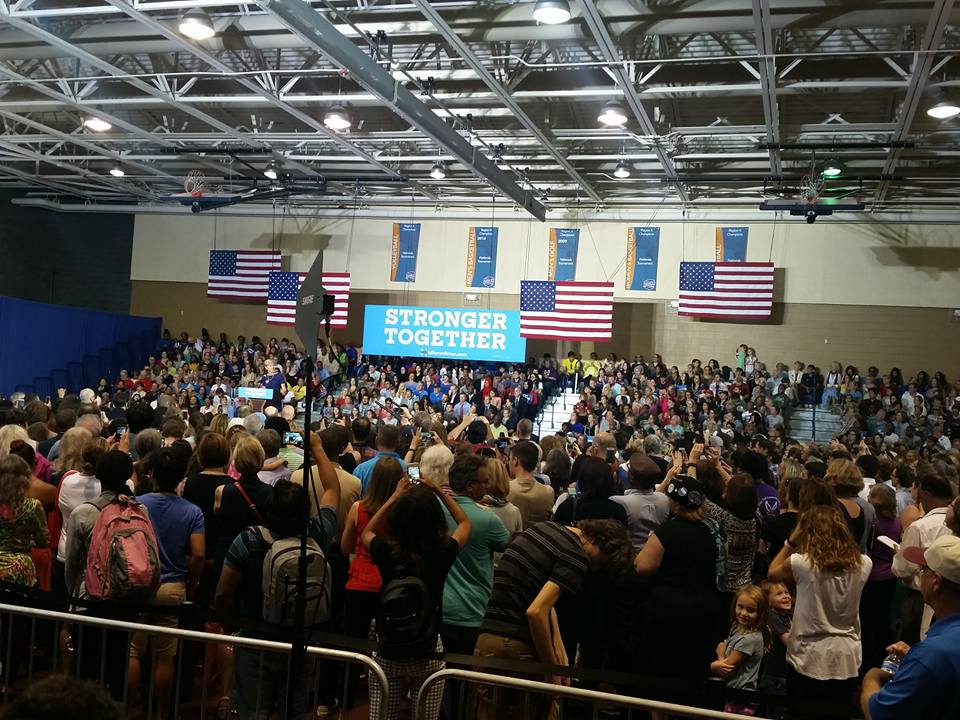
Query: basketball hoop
195, 183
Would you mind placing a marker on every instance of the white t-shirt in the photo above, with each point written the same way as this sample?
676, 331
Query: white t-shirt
825, 636
75, 489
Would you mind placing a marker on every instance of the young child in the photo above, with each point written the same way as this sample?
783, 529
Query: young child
773, 671
739, 656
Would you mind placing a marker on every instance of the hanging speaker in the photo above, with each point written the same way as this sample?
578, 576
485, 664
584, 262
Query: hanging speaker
315, 306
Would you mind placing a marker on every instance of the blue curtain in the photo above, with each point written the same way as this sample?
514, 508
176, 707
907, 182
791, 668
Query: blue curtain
44, 343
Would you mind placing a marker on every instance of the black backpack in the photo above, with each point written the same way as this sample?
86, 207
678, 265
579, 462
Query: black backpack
408, 621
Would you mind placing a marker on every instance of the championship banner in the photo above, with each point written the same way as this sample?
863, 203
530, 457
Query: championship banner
643, 253
732, 244
563, 253
482, 257
403, 252
456, 333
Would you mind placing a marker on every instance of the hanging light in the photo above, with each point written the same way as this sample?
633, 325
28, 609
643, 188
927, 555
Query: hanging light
270, 172
613, 114
337, 119
551, 12
117, 171
622, 170
438, 171
196, 24
96, 124
832, 168
943, 110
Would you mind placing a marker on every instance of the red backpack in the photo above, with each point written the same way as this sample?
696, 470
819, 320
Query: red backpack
123, 560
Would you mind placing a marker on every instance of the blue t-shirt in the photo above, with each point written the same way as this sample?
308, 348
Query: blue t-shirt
927, 684
365, 469
174, 520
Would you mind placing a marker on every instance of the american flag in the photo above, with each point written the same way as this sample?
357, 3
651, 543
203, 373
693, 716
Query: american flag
241, 273
285, 286
566, 310
737, 290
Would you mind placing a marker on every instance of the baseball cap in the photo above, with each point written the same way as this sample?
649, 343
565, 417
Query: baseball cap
687, 491
942, 556
234, 422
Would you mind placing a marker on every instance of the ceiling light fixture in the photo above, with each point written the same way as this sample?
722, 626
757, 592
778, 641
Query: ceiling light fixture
551, 12
622, 170
832, 169
96, 124
337, 119
612, 115
117, 171
270, 172
196, 24
943, 110
438, 171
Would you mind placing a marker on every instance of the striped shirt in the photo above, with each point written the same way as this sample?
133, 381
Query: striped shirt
544, 552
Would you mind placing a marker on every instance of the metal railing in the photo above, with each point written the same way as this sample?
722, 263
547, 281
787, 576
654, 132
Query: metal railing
595, 697
60, 620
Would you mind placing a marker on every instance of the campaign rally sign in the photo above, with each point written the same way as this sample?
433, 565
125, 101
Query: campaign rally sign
403, 252
455, 333
643, 252
563, 254
482, 257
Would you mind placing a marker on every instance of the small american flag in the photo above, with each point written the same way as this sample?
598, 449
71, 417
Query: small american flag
566, 310
285, 288
241, 273
736, 290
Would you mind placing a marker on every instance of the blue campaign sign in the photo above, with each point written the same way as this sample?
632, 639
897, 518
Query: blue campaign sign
455, 333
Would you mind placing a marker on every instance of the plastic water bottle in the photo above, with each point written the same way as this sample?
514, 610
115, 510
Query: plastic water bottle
891, 663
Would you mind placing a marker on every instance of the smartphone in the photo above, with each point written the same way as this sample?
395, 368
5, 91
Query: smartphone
293, 438
413, 471
611, 455
121, 430
426, 436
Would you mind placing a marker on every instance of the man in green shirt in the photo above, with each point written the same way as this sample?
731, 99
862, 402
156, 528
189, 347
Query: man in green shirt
470, 580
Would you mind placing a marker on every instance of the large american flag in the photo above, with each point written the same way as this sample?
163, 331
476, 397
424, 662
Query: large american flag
565, 310
737, 290
241, 273
285, 286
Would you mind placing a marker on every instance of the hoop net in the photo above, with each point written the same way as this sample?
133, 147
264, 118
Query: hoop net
195, 183
811, 187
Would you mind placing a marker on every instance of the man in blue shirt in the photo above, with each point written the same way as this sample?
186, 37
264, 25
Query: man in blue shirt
927, 683
178, 525
388, 439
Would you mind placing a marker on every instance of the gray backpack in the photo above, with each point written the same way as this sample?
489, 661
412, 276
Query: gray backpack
280, 571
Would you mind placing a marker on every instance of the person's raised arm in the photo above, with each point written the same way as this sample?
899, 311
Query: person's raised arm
780, 569
462, 532
415, 443
458, 430
539, 621
326, 473
672, 471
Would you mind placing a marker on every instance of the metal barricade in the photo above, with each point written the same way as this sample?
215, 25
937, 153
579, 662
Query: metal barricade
15, 634
593, 697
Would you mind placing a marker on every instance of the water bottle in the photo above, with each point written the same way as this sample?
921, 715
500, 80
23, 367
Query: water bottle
891, 663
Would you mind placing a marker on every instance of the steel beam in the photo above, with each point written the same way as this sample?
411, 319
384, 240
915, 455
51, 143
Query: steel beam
610, 53
79, 141
922, 63
320, 33
254, 87
89, 108
468, 56
768, 79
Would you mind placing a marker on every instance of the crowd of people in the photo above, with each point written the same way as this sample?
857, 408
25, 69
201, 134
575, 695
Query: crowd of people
672, 531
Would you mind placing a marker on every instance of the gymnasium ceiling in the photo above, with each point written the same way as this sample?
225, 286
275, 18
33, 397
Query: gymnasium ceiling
508, 106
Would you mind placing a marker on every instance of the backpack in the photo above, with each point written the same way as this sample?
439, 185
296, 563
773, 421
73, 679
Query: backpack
123, 559
281, 567
407, 619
